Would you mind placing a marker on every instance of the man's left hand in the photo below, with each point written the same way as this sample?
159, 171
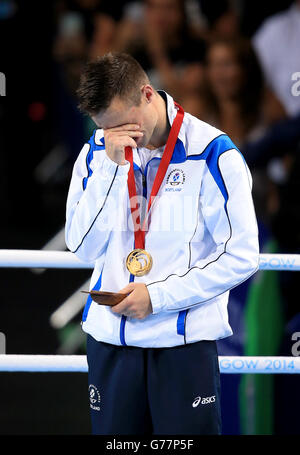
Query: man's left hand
137, 304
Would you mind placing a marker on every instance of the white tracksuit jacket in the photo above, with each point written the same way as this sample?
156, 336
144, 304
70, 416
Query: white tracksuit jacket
203, 235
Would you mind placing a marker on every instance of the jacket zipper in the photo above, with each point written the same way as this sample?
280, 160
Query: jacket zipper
131, 278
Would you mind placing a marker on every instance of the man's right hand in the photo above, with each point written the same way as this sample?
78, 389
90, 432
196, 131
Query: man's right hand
119, 137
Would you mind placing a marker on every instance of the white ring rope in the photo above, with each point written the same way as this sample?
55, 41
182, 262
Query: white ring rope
78, 364
68, 260
42, 259
43, 363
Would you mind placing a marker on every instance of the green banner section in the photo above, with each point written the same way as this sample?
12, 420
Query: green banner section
264, 325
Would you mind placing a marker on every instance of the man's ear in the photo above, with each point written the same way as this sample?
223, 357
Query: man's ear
147, 92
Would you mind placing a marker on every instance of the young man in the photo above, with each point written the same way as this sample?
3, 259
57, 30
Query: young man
161, 201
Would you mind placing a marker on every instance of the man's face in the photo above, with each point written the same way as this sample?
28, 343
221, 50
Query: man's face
121, 113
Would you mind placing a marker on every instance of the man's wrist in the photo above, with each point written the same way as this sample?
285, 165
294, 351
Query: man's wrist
118, 158
155, 299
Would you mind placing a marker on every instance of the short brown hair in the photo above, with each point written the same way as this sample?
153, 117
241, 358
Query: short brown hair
113, 74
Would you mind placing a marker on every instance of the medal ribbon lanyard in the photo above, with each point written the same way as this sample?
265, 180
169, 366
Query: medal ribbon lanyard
140, 232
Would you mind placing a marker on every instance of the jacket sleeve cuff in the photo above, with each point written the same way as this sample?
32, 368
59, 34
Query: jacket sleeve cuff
109, 167
156, 300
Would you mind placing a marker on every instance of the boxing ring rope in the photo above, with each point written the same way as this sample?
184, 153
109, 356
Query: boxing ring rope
67, 260
78, 363
41, 259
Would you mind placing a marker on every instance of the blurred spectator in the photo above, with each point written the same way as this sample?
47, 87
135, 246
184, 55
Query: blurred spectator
222, 18
280, 139
278, 152
235, 99
106, 26
161, 37
251, 17
277, 45
84, 30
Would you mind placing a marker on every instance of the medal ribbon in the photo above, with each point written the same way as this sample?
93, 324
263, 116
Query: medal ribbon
139, 233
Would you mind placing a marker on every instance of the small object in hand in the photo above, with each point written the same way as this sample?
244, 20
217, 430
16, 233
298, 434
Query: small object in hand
106, 298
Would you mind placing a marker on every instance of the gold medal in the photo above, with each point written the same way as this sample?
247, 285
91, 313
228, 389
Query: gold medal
139, 262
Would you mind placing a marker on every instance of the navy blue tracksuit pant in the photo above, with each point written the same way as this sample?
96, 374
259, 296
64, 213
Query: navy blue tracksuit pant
144, 391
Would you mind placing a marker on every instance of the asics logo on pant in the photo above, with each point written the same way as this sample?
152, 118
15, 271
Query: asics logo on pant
205, 400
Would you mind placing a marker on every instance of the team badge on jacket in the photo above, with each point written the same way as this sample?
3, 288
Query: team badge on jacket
175, 180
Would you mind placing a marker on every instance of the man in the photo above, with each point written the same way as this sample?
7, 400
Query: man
161, 201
